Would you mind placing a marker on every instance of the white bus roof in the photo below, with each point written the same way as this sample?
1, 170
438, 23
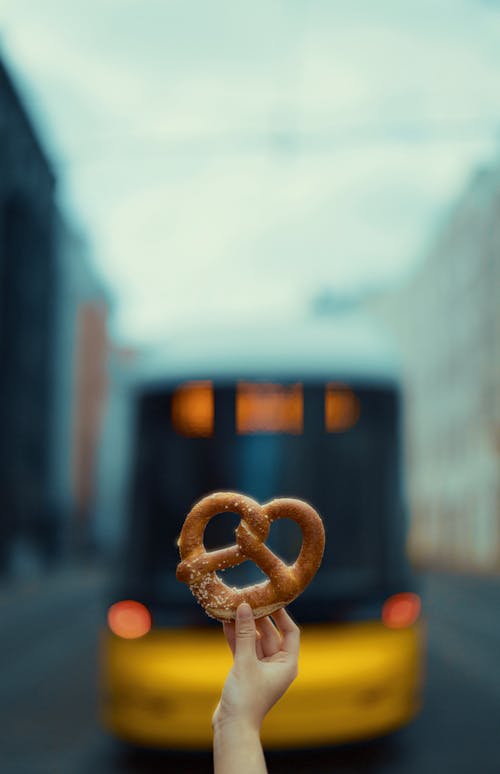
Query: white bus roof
346, 346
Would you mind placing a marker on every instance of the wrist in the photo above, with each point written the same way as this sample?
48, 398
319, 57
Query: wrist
235, 723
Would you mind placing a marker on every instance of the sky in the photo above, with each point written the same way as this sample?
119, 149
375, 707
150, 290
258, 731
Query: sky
227, 159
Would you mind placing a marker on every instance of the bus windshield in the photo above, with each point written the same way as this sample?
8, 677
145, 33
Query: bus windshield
350, 474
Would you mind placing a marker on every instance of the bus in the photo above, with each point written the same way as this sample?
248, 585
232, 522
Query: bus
311, 410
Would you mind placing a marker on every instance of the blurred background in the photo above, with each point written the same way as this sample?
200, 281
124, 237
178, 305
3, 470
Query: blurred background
165, 164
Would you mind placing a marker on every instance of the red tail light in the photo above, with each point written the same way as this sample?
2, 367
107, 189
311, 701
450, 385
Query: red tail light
129, 619
401, 610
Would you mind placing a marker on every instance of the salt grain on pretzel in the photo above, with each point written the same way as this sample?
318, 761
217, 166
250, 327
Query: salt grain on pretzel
198, 567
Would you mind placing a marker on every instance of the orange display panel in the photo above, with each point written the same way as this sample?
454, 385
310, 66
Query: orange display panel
264, 407
342, 408
192, 409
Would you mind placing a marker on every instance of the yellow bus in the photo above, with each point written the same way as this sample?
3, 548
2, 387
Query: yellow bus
313, 411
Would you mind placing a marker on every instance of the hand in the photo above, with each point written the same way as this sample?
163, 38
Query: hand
265, 664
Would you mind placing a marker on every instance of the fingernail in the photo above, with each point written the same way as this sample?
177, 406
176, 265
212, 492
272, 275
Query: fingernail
244, 611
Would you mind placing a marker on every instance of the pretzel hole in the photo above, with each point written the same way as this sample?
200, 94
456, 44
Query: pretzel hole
245, 574
220, 530
285, 540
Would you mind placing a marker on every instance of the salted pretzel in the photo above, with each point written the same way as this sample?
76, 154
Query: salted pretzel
198, 567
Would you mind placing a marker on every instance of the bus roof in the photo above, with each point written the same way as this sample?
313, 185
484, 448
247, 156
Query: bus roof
345, 346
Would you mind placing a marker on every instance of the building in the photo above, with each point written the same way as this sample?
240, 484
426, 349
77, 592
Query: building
447, 320
80, 389
52, 353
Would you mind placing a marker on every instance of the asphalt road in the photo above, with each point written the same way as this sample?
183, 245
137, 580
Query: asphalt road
48, 694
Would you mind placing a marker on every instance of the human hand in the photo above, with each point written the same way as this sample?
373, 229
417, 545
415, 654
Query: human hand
265, 664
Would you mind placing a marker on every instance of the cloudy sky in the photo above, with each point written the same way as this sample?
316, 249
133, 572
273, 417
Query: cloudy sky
232, 158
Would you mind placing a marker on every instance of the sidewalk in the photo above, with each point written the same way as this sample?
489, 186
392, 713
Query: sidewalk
463, 613
14, 591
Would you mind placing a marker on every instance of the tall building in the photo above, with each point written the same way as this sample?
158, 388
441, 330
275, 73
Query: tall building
447, 320
27, 287
52, 353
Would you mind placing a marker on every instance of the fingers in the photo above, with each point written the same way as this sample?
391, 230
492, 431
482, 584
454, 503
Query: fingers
270, 637
290, 632
230, 634
246, 634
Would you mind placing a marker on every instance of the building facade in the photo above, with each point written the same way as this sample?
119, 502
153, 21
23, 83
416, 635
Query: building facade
80, 389
447, 320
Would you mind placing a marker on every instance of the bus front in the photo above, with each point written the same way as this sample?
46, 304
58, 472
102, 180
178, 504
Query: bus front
334, 445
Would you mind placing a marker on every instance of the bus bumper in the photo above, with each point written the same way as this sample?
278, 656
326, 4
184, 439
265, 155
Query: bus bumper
356, 681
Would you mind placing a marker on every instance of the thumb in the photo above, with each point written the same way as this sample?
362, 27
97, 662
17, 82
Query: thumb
245, 633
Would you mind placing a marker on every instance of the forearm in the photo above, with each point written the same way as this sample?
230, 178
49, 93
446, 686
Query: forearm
237, 748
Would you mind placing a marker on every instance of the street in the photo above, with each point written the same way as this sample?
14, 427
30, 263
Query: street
48, 698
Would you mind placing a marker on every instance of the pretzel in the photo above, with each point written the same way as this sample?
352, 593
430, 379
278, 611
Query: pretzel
198, 567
